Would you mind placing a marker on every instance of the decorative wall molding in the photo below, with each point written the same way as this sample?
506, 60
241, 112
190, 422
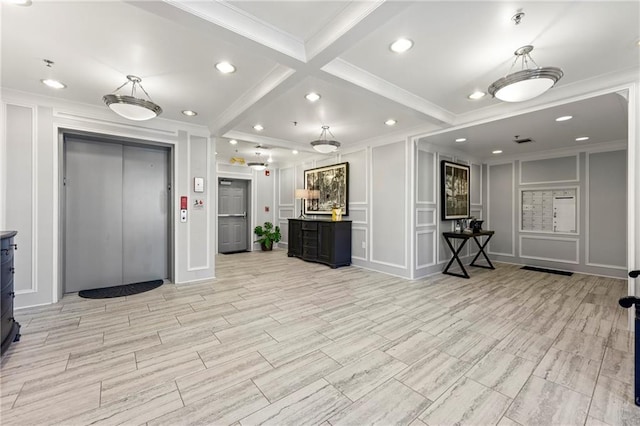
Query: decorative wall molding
433, 250
547, 182
426, 210
574, 261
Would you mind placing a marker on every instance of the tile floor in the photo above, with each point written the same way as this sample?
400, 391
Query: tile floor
280, 341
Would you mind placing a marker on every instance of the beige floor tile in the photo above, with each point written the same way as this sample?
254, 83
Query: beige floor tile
218, 377
396, 326
568, 369
227, 351
126, 385
575, 342
525, 344
354, 347
362, 376
618, 365
468, 346
621, 340
433, 374
466, 403
244, 331
502, 372
544, 403
294, 375
313, 404
219, 408
613, 403
413, 346
288, 350
303, 326
390, 403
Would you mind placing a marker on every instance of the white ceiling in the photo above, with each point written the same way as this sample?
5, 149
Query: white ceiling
340, 49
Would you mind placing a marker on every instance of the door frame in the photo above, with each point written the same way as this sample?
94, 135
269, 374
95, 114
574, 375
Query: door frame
58, 285
250, 206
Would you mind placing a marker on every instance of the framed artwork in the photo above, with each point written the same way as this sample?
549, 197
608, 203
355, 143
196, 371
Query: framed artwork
331, 185
454, 190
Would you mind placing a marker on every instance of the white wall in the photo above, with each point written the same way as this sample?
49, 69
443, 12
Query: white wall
30, 187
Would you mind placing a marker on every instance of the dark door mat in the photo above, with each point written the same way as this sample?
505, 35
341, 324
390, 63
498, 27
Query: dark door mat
548, 271
120, 290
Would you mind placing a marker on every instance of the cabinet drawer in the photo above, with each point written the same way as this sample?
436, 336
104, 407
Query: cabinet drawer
309, 226
310, 252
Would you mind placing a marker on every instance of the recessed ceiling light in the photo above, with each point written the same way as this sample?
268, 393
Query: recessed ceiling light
401, 45
564, 118
461, 140
312, 97
258, 127
476, 95
390, 122
54, 84
189, 113
582, 138
294, 152
497, 151
225, 67
269, 160
233, 142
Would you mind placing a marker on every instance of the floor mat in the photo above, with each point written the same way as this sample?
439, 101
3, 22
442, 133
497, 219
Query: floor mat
548, 271
120, 290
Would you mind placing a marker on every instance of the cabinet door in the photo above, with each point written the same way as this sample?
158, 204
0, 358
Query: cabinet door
326, 240
294, 241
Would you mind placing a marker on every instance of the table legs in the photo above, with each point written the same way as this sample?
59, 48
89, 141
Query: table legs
481, 247
457, 259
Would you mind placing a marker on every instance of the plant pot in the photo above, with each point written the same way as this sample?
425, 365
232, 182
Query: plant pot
265, 248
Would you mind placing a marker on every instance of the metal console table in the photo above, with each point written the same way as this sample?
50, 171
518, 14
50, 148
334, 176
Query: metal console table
448, 236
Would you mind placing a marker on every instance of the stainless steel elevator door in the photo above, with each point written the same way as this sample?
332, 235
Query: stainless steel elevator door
232, 216
116, 214
145, 210
93, 215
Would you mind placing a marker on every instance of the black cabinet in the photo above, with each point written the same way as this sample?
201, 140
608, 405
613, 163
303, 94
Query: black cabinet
9, 328
321, 241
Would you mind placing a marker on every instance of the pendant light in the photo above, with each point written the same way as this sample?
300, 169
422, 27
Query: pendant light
324, 145
257, 165
130, 107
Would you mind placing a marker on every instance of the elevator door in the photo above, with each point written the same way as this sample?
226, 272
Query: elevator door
116, 214
232, 216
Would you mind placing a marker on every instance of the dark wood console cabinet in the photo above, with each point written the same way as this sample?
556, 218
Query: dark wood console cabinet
321, 241
9, 328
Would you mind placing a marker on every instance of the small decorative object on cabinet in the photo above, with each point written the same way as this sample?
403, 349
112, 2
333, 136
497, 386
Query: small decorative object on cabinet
9, 327
321, 241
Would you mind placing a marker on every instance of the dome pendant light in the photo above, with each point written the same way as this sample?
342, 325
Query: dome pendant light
525, 84
130, 107
323, 145
257, 165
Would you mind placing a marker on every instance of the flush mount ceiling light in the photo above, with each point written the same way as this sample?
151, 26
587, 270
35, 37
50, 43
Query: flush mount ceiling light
312, 97
233, 142
189, 113
391, 122
257, 164
564, 118
324, 145
258, 127
130, 107
401, 45
54, 84
225, 67
527, 83
294, 152
476, 95
582, 138
497, 151
461, 140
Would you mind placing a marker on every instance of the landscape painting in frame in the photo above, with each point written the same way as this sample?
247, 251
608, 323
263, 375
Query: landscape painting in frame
332, 184
454, 190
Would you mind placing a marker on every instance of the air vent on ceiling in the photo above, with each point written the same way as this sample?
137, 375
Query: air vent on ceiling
518, 139
260, 146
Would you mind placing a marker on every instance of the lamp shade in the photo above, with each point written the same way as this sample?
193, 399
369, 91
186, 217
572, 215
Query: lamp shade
301, 194
132, 108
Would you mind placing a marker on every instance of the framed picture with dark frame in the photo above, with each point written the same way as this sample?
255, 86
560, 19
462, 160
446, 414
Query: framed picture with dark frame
331, 184
454, 190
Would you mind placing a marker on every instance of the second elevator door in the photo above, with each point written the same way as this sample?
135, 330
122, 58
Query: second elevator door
116, 214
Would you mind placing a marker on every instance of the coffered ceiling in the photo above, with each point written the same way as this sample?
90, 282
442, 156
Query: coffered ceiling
283, 50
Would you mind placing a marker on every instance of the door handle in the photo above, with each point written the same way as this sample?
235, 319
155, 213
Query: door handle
634, 274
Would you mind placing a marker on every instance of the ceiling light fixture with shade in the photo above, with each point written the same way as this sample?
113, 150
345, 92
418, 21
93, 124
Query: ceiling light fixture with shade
258, 164
51, 82
130, 107
527, 83
324, 145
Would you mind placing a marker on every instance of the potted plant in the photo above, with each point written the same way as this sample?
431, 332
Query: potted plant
268, 235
